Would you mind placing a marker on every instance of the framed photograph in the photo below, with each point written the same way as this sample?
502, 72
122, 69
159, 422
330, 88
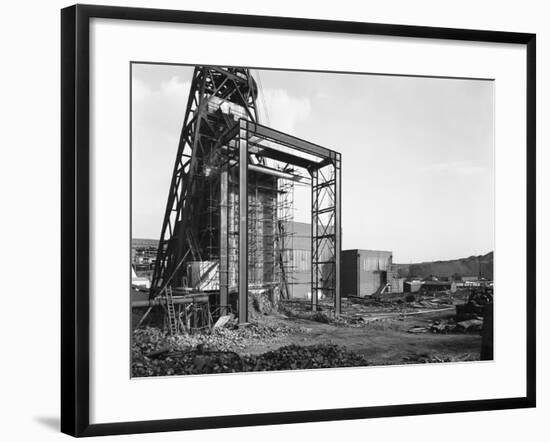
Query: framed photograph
273, 220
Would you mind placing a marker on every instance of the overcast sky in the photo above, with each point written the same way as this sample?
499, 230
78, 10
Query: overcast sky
417, 153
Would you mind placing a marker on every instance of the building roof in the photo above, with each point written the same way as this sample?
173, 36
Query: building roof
369, 252
437, 283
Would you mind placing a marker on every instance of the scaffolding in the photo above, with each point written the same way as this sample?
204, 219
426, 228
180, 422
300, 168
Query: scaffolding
284, 237
323, 167
231, 202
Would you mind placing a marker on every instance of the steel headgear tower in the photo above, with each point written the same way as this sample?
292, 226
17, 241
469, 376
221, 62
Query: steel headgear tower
218, 97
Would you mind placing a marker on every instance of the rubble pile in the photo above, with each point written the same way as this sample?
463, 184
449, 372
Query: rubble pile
201, 360
227, 338
295, 357
197, 361
450, 326
469, 315
220, 344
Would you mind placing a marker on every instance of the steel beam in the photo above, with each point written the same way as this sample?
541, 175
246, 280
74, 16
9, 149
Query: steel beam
243, 222
278, 155
290, 141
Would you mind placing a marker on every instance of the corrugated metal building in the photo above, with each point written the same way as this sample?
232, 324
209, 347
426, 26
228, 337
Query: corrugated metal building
300, 243
363, 272
369, 272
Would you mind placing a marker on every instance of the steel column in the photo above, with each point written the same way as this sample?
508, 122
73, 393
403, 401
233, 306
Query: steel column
338, 232
314, 248
243, 222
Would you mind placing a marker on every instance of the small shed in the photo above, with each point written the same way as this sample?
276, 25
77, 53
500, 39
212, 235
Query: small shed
412, 286
364, 272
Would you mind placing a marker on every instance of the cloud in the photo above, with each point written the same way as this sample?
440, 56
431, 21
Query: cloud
283, 110
159, 107
276, 107
140, 90
174, 89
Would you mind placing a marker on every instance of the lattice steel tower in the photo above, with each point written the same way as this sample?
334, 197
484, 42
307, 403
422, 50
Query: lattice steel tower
190, 230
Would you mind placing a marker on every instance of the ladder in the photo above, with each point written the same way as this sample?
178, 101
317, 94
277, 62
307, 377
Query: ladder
172, 319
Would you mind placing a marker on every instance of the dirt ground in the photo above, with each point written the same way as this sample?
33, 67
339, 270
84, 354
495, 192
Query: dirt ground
387, 332
382, 342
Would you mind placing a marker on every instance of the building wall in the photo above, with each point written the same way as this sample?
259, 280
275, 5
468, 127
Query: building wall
396, 284
300, 242
370, 281
348, 273
412, 286
364, 272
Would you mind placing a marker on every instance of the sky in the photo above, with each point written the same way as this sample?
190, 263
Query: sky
417, 153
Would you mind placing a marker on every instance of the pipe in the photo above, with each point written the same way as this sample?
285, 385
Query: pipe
269, 171
162, 301
273, 172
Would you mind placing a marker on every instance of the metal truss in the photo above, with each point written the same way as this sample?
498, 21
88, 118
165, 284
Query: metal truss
326, 233
207, 212
324, 168
218, 96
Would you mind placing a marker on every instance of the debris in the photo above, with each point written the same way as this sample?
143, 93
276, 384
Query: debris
475, 305
294, 357
418, 330
367, 319
223, 320
442, 326
291, 357
469, 325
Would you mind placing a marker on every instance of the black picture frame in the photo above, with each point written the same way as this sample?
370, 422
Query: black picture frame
75, 212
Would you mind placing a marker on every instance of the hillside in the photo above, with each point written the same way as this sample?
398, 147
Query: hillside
471, 266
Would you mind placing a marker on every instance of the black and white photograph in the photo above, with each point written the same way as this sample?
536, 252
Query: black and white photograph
275, 221
297, 220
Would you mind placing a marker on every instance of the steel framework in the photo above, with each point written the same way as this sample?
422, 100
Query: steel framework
189, 228
324, 168
209, 213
